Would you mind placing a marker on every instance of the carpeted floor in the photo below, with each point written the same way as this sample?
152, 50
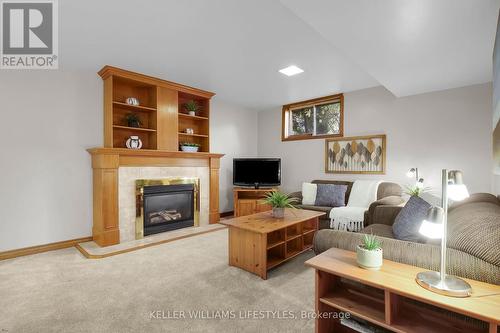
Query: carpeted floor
61, 291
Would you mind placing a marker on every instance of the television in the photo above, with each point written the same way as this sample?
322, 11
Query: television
257, 172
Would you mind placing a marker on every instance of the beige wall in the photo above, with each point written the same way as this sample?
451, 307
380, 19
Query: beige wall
48, 120
233, 131
446, 129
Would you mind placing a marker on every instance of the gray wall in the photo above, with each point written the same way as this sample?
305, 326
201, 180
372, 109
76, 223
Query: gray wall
49, 118
446, 129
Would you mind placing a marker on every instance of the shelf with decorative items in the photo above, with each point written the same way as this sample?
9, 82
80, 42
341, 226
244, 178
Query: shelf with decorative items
160, 113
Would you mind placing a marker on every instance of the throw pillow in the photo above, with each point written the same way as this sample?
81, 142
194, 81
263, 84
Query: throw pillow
309, 193
409, 220
331, 195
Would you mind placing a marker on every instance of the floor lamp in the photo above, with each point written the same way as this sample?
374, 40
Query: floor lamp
434, 226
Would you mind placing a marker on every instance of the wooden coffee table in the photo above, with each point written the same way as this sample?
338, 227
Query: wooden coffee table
260, 242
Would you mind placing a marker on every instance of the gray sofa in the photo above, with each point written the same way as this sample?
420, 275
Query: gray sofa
388, 194
473, 239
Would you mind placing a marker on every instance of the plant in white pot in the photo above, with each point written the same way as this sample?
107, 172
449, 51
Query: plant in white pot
190, 147
192, 107
369, 254
279, 201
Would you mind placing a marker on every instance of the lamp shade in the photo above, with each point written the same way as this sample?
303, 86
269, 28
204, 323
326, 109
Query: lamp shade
420, 183
432, 226
411, 172
457, 191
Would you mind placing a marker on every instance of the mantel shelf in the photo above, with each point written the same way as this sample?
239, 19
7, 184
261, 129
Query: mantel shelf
151, 153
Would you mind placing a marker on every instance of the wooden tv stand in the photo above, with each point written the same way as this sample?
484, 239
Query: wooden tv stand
391, 299
248, 201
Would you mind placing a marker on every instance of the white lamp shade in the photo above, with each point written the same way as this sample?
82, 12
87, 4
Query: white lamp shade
431, 229
457, 192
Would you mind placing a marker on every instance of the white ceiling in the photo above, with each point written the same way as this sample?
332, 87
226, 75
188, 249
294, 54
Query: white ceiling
235, 47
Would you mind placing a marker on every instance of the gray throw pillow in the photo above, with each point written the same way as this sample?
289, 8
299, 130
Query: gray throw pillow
409, 220
330, 195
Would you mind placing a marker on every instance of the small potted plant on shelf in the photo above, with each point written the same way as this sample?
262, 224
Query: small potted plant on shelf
279, 201
190, 147
133, 120
369, 254
192, 107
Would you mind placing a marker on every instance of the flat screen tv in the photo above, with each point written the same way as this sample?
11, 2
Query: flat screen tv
257, 172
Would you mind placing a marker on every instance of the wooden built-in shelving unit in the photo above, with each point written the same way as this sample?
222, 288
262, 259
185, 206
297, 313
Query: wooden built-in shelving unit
161, 111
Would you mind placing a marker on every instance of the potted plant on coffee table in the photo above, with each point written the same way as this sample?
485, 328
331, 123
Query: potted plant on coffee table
279, 201
369, 254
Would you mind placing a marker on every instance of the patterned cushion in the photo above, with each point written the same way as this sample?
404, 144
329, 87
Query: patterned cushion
330, 195
409, 219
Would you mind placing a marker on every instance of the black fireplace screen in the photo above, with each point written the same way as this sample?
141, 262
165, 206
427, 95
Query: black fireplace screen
168, 207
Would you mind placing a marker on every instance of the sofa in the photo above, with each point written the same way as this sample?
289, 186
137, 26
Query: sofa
388, 194
473, 239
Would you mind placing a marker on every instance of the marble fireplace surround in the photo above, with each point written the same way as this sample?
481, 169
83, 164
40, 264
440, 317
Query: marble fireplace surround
115, 169
127, 193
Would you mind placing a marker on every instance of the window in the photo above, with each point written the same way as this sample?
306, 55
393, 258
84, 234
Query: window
313, 119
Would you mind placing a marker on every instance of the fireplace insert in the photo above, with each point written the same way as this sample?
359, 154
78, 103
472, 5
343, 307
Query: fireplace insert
168, 207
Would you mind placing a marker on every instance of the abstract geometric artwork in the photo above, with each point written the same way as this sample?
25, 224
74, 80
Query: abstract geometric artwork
360, 154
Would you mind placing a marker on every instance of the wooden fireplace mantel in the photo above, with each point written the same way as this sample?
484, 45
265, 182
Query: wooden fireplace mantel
105, 164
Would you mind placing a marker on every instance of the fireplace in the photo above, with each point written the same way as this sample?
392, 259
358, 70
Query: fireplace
166, 204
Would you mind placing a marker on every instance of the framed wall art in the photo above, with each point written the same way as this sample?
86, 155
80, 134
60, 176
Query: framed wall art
357, 154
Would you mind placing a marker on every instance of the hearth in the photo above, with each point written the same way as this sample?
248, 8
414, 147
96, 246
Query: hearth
166, 204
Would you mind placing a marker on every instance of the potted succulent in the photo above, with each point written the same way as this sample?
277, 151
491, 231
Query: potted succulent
133, 120
279, 201
369, 254
190, 147
191, 107
416, 190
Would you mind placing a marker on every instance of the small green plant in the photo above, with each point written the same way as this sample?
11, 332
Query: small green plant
370, 242
191, 105
416, 191
190, 144
280, 200
133, 120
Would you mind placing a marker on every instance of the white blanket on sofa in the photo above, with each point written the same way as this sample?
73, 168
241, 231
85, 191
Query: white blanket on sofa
350, 217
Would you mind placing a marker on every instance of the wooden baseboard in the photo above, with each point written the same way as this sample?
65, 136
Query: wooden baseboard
42, 248
227, 214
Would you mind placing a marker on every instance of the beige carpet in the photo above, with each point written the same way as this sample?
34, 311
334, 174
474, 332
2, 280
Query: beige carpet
61, 291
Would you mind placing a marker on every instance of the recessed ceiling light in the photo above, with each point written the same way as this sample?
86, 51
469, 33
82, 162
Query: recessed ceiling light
291, 70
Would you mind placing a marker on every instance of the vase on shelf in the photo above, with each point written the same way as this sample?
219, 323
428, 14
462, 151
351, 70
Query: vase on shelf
133, 142
132, 101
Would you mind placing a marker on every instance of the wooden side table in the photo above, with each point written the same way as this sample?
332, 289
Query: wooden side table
391, 299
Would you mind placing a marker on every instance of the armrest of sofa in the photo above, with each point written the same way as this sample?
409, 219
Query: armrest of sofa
426, 256
298, 196
384, 210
